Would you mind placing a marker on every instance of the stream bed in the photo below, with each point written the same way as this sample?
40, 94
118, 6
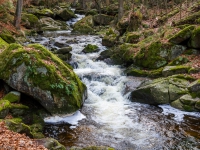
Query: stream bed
108, 118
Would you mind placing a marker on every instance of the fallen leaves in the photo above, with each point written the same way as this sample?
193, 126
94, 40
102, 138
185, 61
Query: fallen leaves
15, 141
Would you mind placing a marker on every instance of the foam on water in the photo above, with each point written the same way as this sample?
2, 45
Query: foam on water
178, 114
73, 119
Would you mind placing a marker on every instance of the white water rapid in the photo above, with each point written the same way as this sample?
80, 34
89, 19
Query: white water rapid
109, 116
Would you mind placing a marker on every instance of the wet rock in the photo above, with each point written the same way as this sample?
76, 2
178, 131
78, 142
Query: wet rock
197, 105
42, 75
102, 19
18, 109
188, 100
64, 50
194, 86
60, 45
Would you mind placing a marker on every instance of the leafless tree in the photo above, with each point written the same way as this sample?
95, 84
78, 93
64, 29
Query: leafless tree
18, 12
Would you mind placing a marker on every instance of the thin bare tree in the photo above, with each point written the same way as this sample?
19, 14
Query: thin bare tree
18, 12
120, 9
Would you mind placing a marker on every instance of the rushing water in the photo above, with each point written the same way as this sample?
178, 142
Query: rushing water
108, 117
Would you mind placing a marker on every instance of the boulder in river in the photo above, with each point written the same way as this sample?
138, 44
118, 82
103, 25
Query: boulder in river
65, 14
160, 91
90, 48
37, 72
102, 19
84, 25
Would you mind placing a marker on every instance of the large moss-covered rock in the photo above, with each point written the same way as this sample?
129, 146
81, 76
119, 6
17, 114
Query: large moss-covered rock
195, 86
30, 21
152, 93
4, 108
160, 91
44, 12
37, 72
102, 19
182, 35
194, 41
172, 70
13, 96
65, 14
157, 54
18, 109
84, 25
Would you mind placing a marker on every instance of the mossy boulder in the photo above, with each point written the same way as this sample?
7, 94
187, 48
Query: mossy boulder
188, 20
160, 91
16, 125
132, 37
50, 144
90, 48
65, 14
4, 108
172, 70
158, 54
84, 25
37, 72
7, 38
194, 88
110, 37
197, 105
18, 109
182, 35
44, 12
48, 24
194, 40
30, 21
102, 19
91, 12
13, 96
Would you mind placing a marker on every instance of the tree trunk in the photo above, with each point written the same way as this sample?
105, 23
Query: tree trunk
120, 9
18, 12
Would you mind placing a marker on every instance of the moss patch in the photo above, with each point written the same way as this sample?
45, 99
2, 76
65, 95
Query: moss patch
90, 48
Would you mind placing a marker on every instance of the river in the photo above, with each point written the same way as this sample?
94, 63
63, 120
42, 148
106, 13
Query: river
108, 118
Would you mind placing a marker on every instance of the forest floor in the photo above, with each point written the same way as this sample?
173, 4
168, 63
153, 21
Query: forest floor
15, 141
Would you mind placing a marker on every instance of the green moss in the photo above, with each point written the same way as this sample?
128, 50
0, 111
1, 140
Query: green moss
194, 40
12, 96
90, 48
132, 37
3, 44
150, 56
84, 25
188, 108
30, 20
16, 126
4, 104
7, 38
182, 35
189, 20
178, 61
18, 106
